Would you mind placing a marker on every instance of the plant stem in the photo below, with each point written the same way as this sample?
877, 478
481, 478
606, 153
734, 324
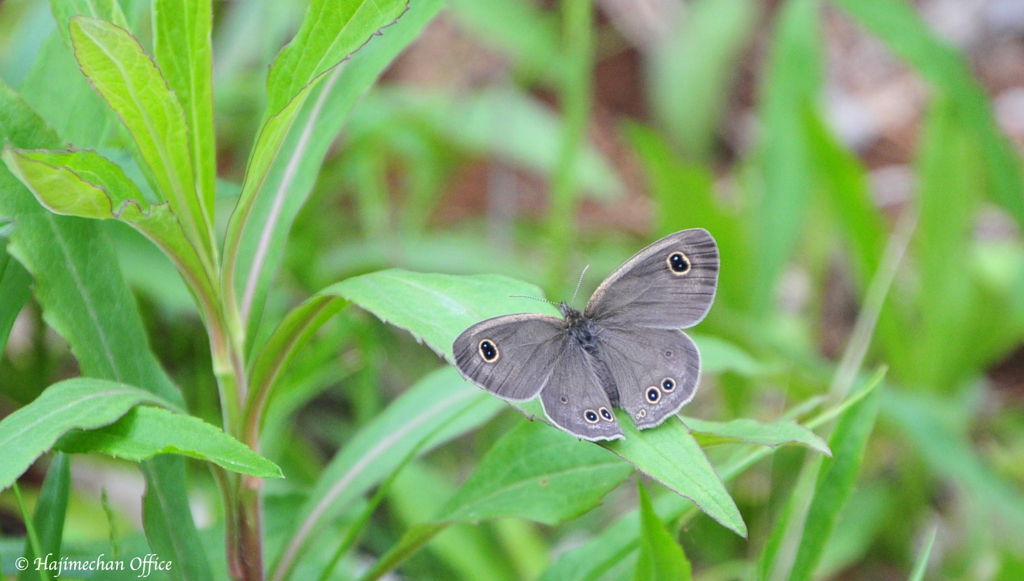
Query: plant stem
575, 98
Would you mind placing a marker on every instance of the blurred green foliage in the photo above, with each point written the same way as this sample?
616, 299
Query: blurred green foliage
519, 168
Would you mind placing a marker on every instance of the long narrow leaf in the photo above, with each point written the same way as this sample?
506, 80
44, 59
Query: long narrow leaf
133, 86
181, 44
48, 519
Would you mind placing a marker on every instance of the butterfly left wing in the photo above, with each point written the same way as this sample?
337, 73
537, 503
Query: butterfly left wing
656, 371
668, 285
511, 356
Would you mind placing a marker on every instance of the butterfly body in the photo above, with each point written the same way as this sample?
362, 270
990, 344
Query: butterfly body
624, 350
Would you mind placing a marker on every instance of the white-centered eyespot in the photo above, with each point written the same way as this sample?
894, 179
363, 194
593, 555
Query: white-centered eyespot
653, 394
590, 416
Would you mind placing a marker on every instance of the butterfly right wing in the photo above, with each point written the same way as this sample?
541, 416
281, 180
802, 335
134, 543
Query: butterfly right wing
512, 356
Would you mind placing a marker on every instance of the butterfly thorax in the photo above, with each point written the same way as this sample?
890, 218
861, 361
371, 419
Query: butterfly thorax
580, 329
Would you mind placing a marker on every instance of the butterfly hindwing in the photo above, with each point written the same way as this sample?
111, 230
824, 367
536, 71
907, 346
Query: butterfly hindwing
656, 371
575, 401
668, 285
510, 356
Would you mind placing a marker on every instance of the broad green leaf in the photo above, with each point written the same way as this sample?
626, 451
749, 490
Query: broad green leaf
330, 33
181, 44
537, 473
85, 300
671, 455
469, 551
922, 562
15, 289
146, 431
85, 184
76, 278
134, 88
903, 31
296, 166
74, 403
692, 70
441, 398
754, 432
835, 483
533, 472
48, 519
791, 86
661, 557
436, 308
617, 545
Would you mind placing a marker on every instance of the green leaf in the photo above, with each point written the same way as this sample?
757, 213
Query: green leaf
904, 32
534, 472
181, 44
537, 473
134, 88
661, 557
85, 184
692, 70
85, 300
80, 288
15, 289
75, 403
435, 308
922, 562
295, 168
617, 544
791, 86
167, 518
754, 432
147, 431
56, 86
442, 398
836, 479
671, 455
51, 509
330, 33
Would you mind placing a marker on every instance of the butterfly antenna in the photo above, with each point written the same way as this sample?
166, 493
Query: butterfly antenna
534, 298
582, 274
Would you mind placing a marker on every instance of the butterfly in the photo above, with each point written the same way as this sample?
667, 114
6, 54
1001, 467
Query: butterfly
625, 350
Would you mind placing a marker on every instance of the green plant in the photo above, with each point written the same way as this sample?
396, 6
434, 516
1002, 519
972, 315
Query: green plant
243, 259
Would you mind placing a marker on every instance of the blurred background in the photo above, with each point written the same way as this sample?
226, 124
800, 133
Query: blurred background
858, 163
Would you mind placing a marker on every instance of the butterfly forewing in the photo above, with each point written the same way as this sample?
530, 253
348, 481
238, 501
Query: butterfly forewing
668, 285
510, 356
655, 371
